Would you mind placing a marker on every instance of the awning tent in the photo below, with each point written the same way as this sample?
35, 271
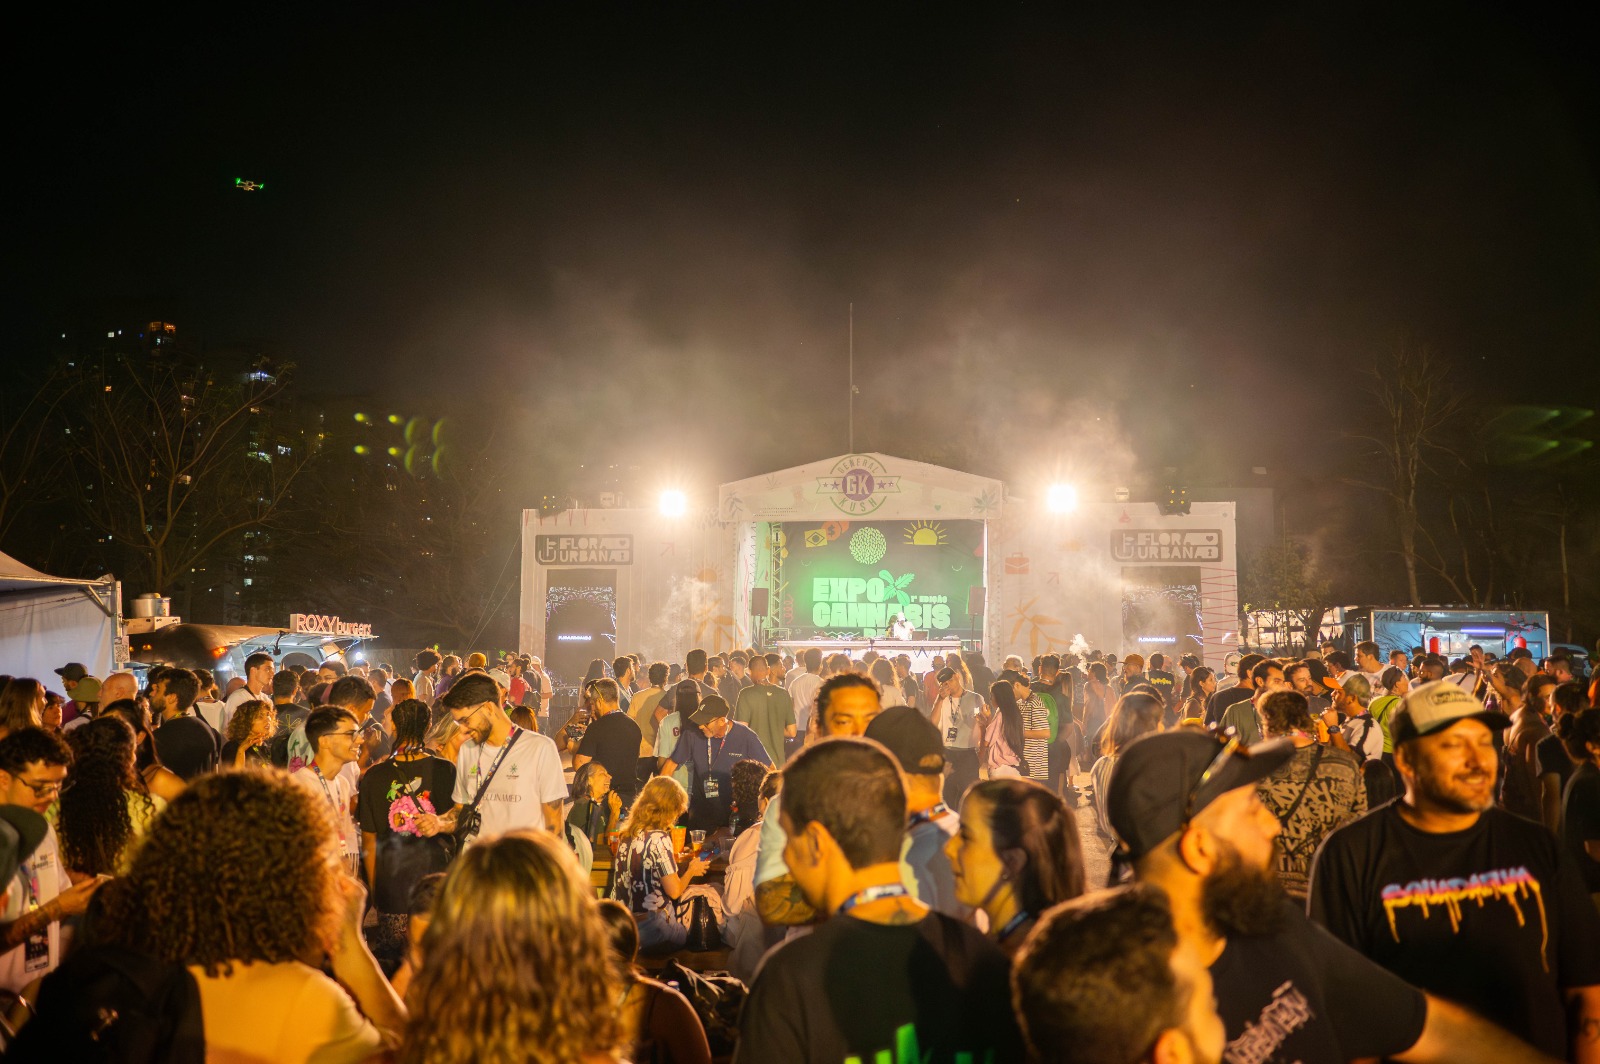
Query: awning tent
47, 621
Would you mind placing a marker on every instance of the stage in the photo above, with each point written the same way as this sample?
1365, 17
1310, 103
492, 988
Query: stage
830, 553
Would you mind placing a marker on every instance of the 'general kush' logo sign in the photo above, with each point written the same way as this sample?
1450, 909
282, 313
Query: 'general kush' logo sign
583, 550
1166, 545
858, 484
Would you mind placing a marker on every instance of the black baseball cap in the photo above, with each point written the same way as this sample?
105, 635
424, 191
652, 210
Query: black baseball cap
1149, 793
21, 831
911, 738
72, 670
712, 707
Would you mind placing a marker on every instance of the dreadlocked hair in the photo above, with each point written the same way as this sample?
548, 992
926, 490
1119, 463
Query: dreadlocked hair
95, 823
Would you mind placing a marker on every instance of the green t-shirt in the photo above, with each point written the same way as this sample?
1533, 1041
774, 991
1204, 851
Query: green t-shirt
768, 710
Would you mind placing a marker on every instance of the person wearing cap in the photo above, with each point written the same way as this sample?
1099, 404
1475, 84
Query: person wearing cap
1460, 897
711, 744
1186, 811
883, 976
33, 765
71, 673
86, 696
930, 823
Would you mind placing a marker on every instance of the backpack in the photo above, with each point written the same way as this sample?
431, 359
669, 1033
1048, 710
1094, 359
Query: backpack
716, 998
108, 1005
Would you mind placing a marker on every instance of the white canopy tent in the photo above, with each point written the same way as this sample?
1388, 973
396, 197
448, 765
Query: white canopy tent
47, 621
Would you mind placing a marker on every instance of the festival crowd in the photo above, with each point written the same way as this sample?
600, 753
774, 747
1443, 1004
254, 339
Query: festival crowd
1336, 857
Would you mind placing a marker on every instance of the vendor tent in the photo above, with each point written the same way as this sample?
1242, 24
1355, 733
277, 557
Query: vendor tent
47, 621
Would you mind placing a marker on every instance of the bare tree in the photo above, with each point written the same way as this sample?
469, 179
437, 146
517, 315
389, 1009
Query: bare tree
31, 458
177, 462
1415, 413
1283, 579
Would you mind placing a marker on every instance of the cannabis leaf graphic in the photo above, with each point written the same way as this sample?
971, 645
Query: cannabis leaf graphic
898, 586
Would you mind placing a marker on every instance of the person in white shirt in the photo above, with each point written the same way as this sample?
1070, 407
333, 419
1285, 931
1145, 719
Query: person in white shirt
258, 673
423, 683
518, 772
803, 690
1371, 666
33, 764
335, 741
955, 714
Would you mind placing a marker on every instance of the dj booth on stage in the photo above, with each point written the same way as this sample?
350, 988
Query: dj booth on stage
921, 651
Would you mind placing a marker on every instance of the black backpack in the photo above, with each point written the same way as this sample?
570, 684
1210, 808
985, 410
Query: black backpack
108, 1005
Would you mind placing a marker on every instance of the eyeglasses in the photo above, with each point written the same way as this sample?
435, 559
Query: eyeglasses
42, 790
1227, 751
352, 733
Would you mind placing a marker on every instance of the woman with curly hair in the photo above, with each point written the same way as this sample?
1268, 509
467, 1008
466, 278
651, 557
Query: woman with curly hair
104, 805
515, 962
647, 877
159, 780
250, 733
239, 880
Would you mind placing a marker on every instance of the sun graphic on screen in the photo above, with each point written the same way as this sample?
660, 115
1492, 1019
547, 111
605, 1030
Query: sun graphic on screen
926, 534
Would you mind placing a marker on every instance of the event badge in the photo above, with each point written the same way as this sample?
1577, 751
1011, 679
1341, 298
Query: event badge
711, 787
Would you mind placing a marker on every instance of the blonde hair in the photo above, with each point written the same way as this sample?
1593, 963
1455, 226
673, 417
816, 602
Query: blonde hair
516, 963
659, 805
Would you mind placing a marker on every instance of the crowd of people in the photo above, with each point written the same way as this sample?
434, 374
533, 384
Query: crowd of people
1319, 858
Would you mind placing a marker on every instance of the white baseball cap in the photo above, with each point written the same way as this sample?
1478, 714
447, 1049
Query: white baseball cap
1435, 706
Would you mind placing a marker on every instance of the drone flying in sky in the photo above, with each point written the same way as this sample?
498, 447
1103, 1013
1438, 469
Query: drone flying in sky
249, 186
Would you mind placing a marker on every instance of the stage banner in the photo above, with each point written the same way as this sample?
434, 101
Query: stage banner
850, 578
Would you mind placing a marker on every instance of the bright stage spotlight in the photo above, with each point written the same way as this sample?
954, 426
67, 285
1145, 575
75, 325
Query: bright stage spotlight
1061, 498
674, 504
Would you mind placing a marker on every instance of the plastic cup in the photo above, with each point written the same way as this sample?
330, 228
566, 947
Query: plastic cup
697, 840
678, 836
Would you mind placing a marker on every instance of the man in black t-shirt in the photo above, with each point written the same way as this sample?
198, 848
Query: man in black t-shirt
185, 743
1186, 810
1218, 703
884, 977
1458, 896
613, 740
1163, 681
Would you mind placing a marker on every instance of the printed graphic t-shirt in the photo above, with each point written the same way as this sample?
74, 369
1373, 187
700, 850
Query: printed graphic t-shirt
530, 776
1301, 996
1494, 918
824, 998
38, 881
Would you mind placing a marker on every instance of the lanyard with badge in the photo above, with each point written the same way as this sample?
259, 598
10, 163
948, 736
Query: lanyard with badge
871, 894
711, 787
339, 816
952, 719
36, 951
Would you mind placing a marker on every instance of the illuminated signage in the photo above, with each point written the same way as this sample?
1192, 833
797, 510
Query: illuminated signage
322, 624
583, 550
1166, 545
855, 602
857, 484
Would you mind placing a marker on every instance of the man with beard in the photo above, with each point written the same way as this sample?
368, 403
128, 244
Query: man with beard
1460, 897
1185, 807
846, 704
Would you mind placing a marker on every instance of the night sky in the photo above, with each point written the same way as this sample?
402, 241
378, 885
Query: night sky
633, 232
